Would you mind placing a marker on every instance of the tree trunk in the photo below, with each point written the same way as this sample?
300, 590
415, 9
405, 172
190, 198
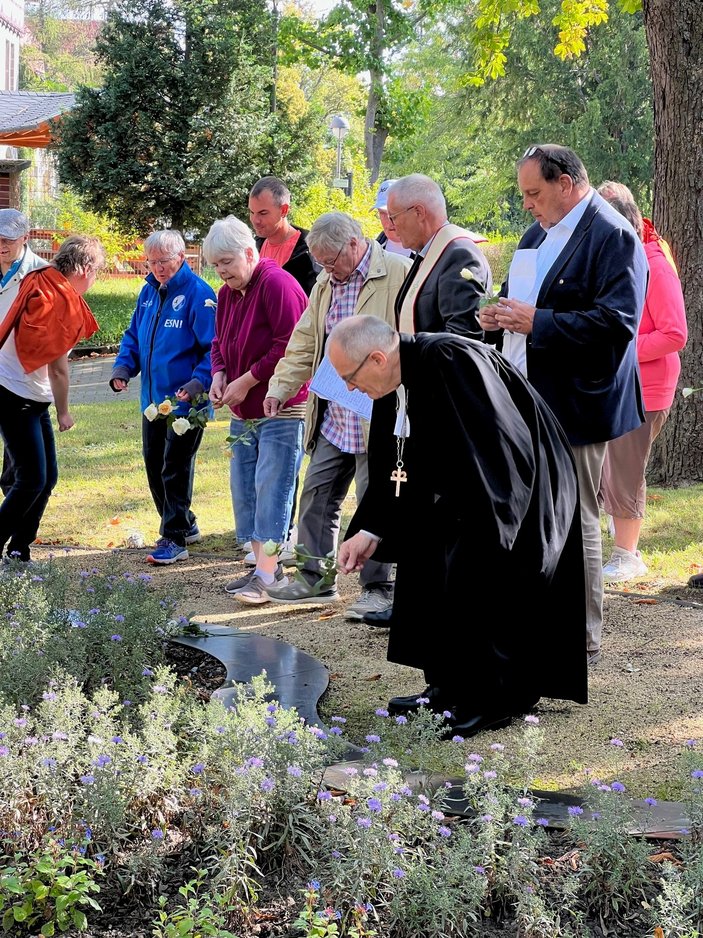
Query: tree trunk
675, 40
374, 136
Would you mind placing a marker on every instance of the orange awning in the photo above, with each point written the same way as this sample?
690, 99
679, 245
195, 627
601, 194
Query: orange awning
38, 137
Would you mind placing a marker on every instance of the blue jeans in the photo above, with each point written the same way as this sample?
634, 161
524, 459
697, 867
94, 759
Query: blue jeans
29, 442
262, 477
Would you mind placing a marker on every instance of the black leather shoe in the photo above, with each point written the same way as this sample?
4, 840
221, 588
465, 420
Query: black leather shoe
696, 582
436, 701
380, 620
466, 726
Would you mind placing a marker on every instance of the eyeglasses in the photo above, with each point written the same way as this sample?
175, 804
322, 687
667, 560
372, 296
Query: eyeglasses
162, 261
328, 265
395, 214
347, 379
533, 151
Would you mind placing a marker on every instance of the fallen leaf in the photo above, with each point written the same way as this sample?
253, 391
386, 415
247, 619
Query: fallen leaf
646, 602
665, 857
116, 520
110, 543
335, 676
329, 615
373, 677
658, 932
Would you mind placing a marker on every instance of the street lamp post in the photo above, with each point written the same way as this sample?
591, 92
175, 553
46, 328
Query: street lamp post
339, 128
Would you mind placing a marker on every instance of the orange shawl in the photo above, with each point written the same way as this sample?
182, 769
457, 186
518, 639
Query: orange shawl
48, 317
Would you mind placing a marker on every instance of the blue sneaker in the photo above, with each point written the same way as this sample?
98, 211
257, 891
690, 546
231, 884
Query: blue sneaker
193, 535
167, 552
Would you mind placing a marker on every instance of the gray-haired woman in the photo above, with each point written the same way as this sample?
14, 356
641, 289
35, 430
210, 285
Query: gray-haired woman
168, 341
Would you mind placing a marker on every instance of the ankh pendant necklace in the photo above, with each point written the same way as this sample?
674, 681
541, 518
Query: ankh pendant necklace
402, 431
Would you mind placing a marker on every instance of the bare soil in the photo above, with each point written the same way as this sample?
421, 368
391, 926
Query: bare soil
646, 689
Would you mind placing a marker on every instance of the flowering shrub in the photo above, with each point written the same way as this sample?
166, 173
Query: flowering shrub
92, 781
96, 628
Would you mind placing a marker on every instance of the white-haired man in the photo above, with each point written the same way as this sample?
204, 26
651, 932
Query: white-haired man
358, 277
435, 296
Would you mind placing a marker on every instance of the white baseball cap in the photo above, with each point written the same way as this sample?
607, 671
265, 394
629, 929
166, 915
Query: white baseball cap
13, 224
382, 195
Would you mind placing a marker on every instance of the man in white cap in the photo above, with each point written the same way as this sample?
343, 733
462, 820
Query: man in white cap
388, 238
16, 260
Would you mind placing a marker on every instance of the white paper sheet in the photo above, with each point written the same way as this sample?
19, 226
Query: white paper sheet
326, 383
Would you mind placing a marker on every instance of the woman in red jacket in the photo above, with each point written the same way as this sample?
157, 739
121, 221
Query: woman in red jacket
662, 334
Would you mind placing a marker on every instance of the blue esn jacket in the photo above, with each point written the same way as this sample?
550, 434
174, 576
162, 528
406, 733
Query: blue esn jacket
168, 339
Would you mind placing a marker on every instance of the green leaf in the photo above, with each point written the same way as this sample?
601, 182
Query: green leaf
79, 919
47, 929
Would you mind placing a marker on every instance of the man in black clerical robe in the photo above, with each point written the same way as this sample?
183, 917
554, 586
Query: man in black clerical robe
496, 617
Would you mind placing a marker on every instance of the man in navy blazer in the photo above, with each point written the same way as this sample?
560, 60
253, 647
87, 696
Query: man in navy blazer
568, 316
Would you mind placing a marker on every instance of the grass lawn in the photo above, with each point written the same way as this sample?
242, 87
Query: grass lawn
102, 495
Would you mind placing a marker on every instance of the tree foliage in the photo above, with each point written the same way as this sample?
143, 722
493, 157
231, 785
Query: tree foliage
182, 125
58, 55
598, 103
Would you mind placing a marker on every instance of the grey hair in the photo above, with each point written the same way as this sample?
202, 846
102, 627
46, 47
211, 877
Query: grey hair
332, 231
358, 336
228, 236
418, 189
615, 190
170, 241
77, 253
278, 189
630, 211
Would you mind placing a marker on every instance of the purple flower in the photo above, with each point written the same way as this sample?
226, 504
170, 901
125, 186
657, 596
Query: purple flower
195, 792
697, 773
198, 768
157, 834
474, 757
534, 721
336, 730
49, 763
270, 721
490, 775
401, 720
618, 786
147, 672
364, 822
159, 689
487, 818
267, 784
542, 822
374, 805
119, 618
339, 719
480, 870
497, 747
520, 820
398, 873
142, 760
444, 831
616, 742
324, 796
575, 810
254, 762
381, 712
4, 751
437, 815
49, 695
652, 802
102, 761
371, 772
117, 739
392, 763
295, 771
87, 779
372, 738
59, 735
115, 638
524, 802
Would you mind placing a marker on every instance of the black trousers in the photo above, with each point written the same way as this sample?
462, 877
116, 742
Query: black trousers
169, 461
31, 450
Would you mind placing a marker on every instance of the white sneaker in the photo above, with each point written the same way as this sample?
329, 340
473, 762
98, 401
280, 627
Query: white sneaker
623, 565
287, 554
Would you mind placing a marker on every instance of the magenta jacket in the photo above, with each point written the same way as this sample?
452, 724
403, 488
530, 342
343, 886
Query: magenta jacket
252, 331
662, 333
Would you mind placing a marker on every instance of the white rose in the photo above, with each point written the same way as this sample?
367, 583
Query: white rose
151, 412
181, 425
271, 548
466, 273
165, 407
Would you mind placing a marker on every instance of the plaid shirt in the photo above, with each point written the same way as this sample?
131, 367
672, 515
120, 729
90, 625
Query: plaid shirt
342, 427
